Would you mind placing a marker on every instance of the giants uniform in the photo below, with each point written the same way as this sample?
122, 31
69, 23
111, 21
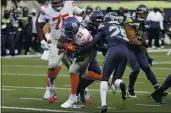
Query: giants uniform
81, 64
55, 19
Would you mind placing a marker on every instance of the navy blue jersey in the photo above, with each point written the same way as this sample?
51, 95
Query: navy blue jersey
139, 26
112, 34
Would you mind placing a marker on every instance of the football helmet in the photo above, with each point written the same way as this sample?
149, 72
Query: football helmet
70, 27
57, 4
96, 18
141, 12
112, 16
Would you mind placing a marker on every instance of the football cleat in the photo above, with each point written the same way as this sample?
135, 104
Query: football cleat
69, 103
123, 90
49, 93
157, 97
53, 98
103, 109
85, 96
131, 93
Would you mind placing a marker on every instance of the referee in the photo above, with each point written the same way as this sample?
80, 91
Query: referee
155, 19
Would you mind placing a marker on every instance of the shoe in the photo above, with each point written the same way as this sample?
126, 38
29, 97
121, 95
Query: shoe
162, 47
123, 90
85, 96
156, 96
131, 93
49, 93
110, 83
164, 94
69, 103
103, 109
77, 105
53, 98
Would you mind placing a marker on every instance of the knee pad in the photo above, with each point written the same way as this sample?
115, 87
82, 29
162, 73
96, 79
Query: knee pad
52, 65
117, 83
74, 68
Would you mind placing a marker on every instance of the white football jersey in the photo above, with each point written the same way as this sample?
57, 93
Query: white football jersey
55, 18
83, 36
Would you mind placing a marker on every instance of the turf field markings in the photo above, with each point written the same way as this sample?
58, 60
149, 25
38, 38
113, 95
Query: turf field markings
108, 107
30, 98
36, 74
8, 89
148, 105
67, 85
40, 109
60, 88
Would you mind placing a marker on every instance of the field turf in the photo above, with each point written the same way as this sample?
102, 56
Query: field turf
24, 82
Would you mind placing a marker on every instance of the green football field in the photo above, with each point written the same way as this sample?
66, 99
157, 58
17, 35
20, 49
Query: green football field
24, 82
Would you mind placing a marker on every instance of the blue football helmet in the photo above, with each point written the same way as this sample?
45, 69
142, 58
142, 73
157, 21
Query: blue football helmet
70, 27
141, 12
112, 16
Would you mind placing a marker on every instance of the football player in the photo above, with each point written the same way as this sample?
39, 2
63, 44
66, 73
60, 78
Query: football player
136, 31
74, 33
95, 19
54, 14
113, 34
158, 94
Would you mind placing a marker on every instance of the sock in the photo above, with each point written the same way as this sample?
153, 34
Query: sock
83, 83
93, 76
117, 83
150, 75
103, 92
74, 83
52, 75
133, 78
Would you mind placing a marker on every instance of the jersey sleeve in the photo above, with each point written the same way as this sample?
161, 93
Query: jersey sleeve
76, 9
42, 15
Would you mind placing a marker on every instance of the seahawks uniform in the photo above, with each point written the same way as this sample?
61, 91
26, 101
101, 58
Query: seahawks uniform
114, 37
137, 58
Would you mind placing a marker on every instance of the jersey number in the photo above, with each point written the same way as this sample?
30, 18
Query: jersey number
59, 18
118, 31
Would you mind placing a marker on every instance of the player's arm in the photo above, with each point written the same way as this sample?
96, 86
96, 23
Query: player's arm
131, 35
40, 23
78, 11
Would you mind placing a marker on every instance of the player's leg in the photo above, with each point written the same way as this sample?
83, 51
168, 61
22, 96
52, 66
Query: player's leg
157, 95
143, 62
83, 83
54, 65
111, 60
119, 71
133, 63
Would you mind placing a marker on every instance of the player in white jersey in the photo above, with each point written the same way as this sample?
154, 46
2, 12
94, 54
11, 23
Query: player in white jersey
74, 33
54, 14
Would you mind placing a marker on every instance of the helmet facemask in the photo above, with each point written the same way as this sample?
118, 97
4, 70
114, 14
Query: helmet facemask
57, 4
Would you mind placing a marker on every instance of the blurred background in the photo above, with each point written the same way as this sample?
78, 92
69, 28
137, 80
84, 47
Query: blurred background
18, 18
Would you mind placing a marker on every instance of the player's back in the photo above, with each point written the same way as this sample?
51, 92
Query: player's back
114, 34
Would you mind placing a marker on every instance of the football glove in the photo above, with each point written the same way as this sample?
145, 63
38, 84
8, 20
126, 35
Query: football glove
70, 46
45, 45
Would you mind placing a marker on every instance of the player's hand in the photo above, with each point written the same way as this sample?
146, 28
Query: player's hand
145, 44
45, 45
70, 46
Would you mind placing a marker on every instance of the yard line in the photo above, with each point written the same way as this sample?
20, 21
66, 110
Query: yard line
30, 98
40, 109
148, 105
60, 75
8, 89
60, 88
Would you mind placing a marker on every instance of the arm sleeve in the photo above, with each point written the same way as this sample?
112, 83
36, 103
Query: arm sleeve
91, 44
42, 17
76, 9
